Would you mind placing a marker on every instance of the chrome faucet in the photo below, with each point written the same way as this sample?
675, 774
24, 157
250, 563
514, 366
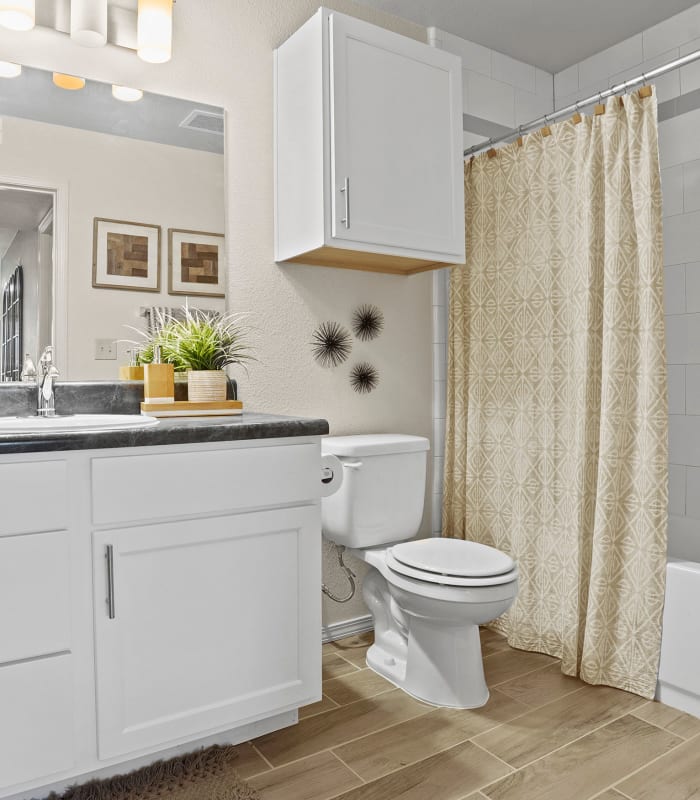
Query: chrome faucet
46, 384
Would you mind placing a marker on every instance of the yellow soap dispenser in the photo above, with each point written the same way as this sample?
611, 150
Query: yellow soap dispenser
158, 380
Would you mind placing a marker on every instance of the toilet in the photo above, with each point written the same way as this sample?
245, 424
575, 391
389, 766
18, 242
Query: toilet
427, 597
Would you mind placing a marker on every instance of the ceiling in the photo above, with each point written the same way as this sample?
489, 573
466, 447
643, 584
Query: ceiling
551, 34
155, 118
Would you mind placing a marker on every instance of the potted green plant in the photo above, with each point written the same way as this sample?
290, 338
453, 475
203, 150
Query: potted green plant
202, 344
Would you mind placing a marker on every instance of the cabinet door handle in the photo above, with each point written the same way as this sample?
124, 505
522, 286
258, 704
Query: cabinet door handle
345, 189
109, 558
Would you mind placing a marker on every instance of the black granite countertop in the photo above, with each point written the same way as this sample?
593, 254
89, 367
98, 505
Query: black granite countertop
181, 430
106, 397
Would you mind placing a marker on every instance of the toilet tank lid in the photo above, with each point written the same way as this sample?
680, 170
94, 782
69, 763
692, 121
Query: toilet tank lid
373, 444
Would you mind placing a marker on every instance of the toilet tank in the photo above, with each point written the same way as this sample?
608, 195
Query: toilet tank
382, 495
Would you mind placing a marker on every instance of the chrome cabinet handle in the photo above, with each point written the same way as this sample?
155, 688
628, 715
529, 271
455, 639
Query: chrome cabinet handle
109, 557
346, 191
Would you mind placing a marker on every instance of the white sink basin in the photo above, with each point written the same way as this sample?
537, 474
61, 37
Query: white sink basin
74, 423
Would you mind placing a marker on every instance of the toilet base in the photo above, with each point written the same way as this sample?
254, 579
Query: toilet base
437, 661
394, 670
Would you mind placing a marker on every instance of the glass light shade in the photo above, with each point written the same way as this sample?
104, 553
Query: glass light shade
126, 93
70, 82
88, 22
154, 30
10, 70
17, 15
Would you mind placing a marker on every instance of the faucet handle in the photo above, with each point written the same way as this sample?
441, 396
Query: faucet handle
46, 359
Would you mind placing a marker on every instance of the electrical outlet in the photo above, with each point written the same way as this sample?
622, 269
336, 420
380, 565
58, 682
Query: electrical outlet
105, 349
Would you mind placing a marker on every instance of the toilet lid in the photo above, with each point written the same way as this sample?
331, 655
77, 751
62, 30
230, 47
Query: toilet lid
452, 557
423, 576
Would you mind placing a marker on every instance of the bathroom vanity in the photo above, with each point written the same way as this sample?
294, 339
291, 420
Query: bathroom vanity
157, 588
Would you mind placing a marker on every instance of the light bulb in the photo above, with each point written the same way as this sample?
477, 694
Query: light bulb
126, 93
10, 70
88, 22
17, 15
70, 82
154, 30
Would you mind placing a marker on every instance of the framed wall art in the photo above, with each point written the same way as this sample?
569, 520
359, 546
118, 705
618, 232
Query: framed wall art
125, 255
196, 263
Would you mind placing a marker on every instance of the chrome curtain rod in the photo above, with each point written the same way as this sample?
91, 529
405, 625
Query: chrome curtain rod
619, 88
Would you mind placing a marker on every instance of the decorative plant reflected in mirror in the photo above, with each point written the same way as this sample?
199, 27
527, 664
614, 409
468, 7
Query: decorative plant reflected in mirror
156, 162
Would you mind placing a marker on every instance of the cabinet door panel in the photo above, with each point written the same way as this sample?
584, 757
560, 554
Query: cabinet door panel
34, 595
37, 696
215, 621
396, 137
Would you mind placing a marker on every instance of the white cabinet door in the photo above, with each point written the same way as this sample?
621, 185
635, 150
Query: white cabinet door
212, 622
396, 142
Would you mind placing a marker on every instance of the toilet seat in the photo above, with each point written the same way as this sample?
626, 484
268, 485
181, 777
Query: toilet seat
451, 562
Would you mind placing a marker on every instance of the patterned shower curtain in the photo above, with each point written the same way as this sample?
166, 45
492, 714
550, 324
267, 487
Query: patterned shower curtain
556, 445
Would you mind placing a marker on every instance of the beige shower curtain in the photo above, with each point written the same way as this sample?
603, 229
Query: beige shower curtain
556, 412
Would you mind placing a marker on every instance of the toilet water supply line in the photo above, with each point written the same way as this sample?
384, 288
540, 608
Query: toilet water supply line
349, 574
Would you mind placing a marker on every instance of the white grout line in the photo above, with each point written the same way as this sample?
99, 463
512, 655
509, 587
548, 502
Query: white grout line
269, 764
345, 764
653, 760
511, 768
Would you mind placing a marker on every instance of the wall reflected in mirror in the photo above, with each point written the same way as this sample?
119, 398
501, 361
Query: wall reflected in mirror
85, 154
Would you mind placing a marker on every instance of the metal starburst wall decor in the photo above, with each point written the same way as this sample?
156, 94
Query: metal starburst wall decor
367, 322
364, 377
331, 344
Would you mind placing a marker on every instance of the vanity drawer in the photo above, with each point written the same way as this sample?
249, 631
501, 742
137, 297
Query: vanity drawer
36, 724
135, 488
33, 497
34, 595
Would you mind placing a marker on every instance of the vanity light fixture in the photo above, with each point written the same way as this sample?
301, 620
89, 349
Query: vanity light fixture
17, 15
70, 82
154, 30
88, 22
126, 93
10, 70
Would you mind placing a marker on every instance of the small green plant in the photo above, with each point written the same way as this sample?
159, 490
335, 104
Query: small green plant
200, 340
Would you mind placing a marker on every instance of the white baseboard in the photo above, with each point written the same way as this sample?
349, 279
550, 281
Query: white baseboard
348, 627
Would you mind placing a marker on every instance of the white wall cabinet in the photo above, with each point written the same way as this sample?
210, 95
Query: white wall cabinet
368, 141
203, 622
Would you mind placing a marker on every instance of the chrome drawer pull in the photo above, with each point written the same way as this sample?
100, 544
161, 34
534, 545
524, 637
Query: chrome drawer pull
109, 557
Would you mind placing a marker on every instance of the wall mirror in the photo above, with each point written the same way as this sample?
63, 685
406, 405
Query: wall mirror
152, 168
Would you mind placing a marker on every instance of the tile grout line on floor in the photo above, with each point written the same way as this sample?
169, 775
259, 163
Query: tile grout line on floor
681, 741
511, 768
345, 764
627, 713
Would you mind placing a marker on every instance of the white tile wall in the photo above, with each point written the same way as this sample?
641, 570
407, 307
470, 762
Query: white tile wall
692, 388
674, 289
676, 490
676, 388
498, 88
440, 310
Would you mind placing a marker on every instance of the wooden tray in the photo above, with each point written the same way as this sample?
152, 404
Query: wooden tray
183, 408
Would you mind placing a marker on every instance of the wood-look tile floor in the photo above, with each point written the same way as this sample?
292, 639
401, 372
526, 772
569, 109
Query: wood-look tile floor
541, 736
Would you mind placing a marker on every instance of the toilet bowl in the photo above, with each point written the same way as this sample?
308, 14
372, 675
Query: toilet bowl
427, 597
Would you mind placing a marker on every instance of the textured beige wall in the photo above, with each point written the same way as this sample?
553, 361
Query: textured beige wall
222, 54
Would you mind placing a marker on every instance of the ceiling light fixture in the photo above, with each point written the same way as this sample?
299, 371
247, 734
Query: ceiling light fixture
126, 93
88, 22
70, 82
10, 70
17, 15
154, 30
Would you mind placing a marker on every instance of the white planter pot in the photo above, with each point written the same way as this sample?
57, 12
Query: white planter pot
206, 385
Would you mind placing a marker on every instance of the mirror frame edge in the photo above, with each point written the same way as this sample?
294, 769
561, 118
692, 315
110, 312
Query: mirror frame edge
59, 310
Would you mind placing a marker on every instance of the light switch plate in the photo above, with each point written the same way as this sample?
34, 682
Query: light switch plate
105, 350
